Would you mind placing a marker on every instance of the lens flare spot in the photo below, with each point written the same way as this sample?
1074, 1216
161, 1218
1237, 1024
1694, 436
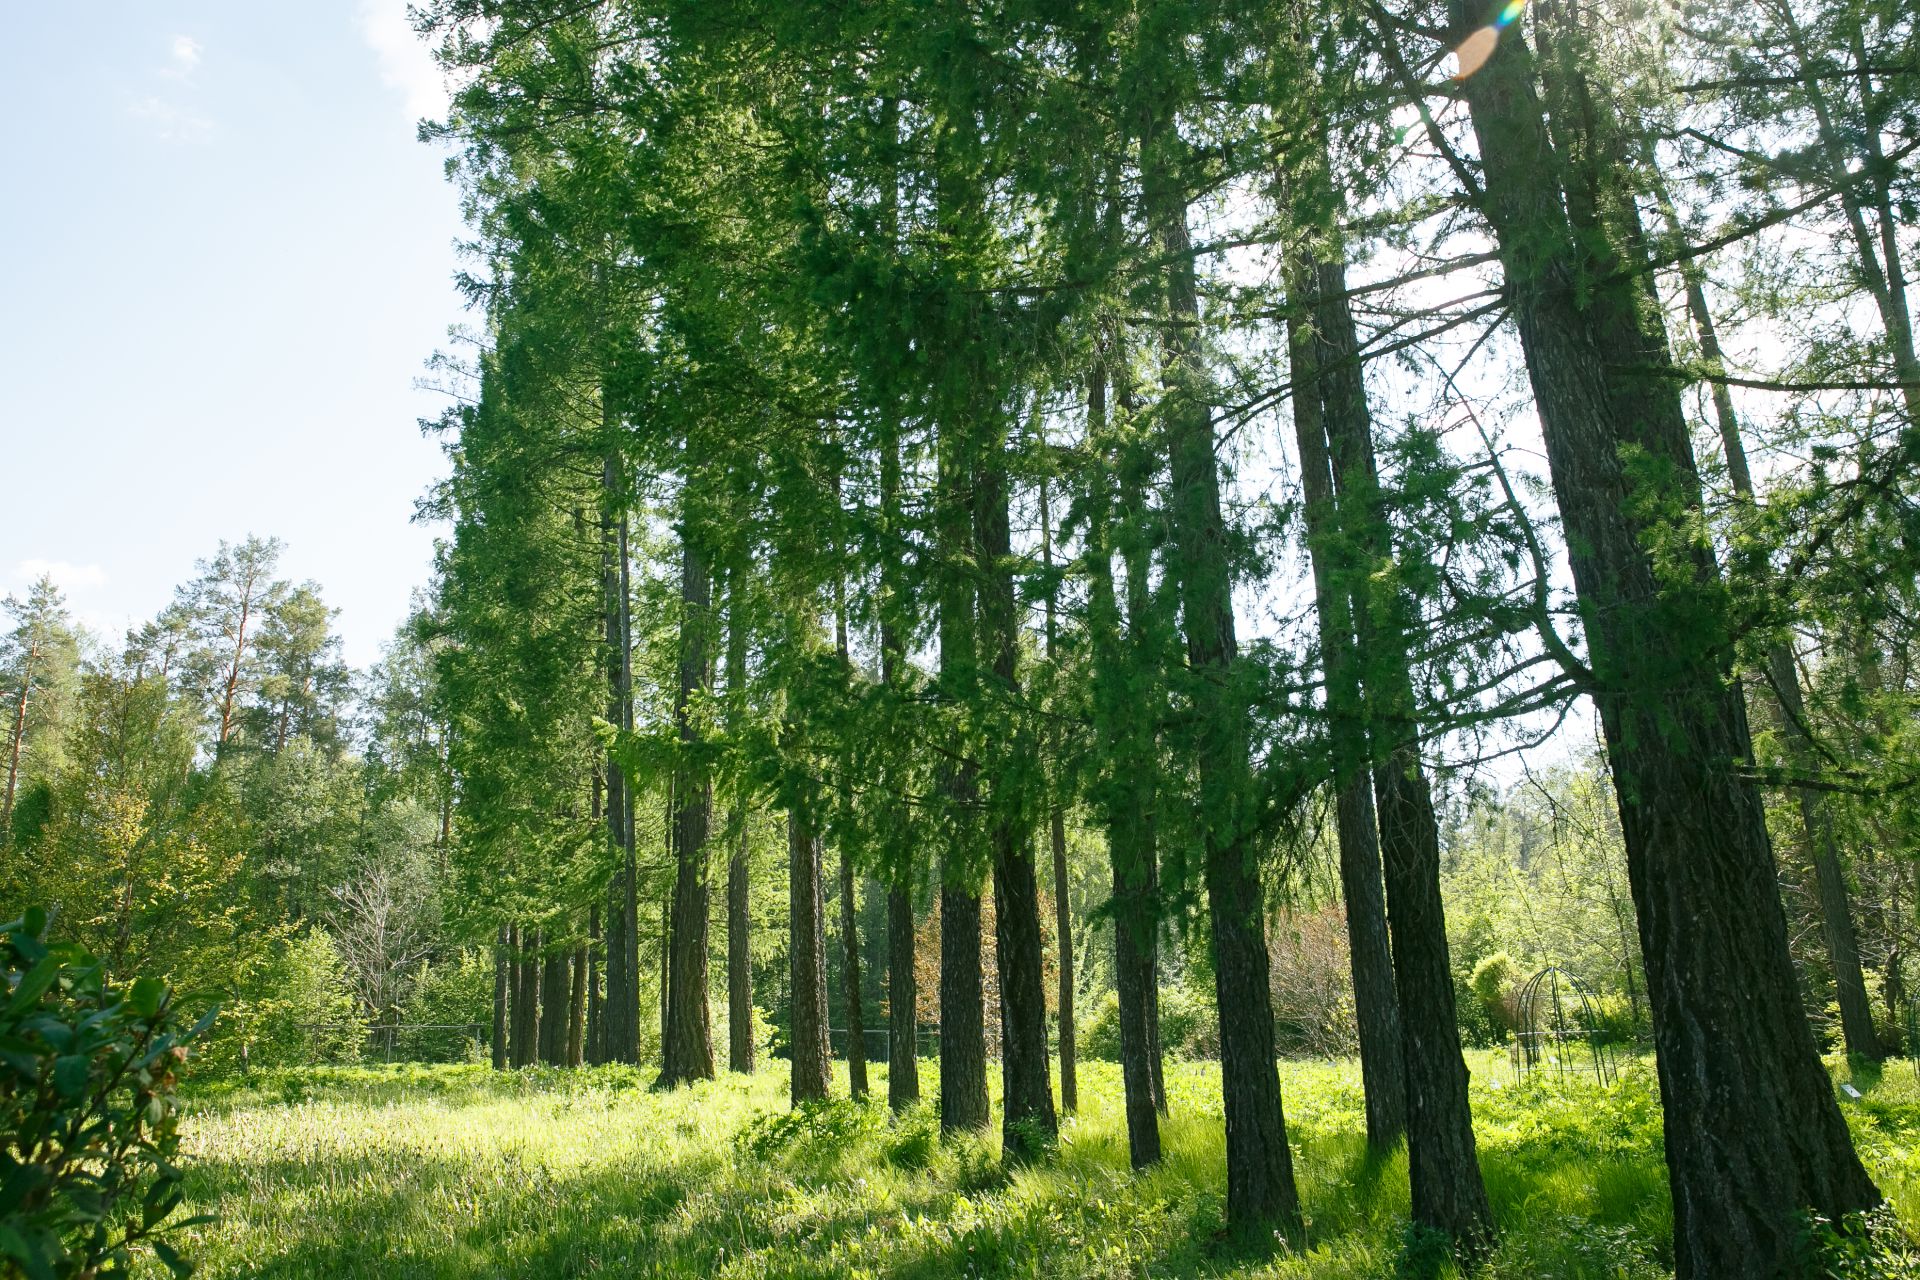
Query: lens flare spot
1478, 47
1474, 51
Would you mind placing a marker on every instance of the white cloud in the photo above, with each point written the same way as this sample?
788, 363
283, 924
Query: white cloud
186, 56
170, 121
406, 61
68, 576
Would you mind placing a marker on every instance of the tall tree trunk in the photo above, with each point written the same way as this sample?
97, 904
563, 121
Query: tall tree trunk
1754, 1137
740, 1046
1124, 794
903, 1022
897, 855
577, 1008
1830, 875
963, 1021
1028, 1121
963, 1042
1063, 945
622, 1012
526, 995
850, 963
739, 955
514, 1012
19, 735
555, 1003
502, 985
596, 1047
807, 957
1260, 1181
849, 907
1448, 1194
687, 1051
666, 942
1315, 337
1057, 839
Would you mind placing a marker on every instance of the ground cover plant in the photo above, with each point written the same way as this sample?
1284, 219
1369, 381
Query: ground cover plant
456, 1171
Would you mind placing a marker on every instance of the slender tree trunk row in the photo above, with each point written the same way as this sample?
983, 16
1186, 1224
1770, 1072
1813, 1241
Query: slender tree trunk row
1028, 1121
740, 1046
502, 995
1443, 1164
19, 735
687, 1047
1260, 1180
807, 959
621, 1039
1383, 1067
1057, 841
556, 1004
1125, 739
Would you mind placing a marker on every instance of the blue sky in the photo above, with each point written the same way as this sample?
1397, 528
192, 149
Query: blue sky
224, 258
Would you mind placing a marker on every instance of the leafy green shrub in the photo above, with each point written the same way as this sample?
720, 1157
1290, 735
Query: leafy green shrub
810, 1126
446, 1001
1477, 1029
1873, 1246
91, 1117
304, 1013
1494, 982
1188, 1028
1099, 1036
914, 1139
1614, 1020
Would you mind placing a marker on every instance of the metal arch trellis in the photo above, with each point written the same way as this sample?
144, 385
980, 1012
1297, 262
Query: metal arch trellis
1556, 1020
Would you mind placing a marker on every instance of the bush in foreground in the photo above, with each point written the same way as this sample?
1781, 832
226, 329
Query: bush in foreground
87, 1088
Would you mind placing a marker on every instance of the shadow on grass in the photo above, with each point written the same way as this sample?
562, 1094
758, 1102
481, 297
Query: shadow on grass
475, 1176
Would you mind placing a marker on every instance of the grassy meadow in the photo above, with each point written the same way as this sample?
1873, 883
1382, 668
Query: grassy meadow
456, 1172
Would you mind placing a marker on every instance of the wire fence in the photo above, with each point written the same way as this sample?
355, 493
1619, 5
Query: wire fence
463, 1041
410, 1041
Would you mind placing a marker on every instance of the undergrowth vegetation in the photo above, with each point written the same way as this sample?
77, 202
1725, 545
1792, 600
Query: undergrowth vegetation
454, 1172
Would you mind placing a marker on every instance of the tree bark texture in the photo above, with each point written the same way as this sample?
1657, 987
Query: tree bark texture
577, 1009
807, 958
850, 966
1123, 793
555, 1006
502, 969
739, 955
621, 1041
1376, 1002
1028, 1121
1754, 1137
1260, 1181
903, 1040
963, 1022
687, 1051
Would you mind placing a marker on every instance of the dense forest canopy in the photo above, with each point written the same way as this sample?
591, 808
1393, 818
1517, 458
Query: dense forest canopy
1116, 529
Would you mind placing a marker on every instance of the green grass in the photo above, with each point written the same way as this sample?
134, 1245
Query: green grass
459, 1172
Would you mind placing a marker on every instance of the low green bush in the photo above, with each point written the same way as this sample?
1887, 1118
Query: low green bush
1188, 1028
449, 1012
87, 1086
